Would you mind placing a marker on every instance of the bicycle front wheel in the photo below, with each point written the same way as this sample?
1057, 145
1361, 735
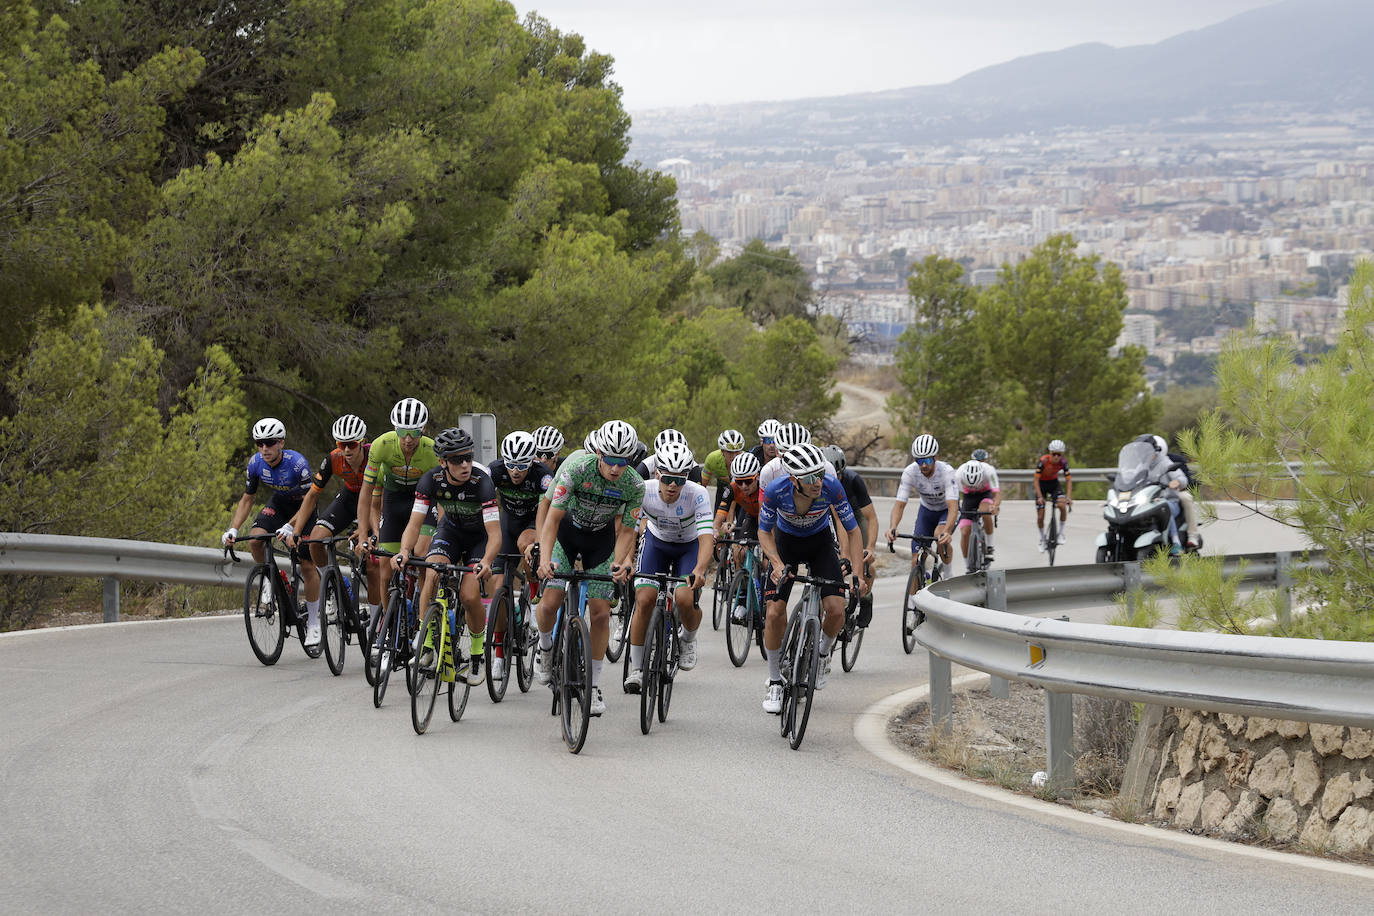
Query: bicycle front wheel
619, 635
648, 687
575, 689
522, 652
499, 614
426, 667
458, 690
853, 642
1052, 538
389, 635
333, 621
262, 617
720, 590
791, 645
804, 681
672, 651
915, 581
739, 634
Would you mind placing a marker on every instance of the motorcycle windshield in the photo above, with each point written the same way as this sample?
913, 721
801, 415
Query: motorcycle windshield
1133, 465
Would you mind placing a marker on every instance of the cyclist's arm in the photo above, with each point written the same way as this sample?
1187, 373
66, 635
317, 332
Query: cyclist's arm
365, 525
706, 542
245, 505
624, 547
312, 498
946, 530
871, 514
898, 508
548, 534
1068, 484
769, 545
412, 532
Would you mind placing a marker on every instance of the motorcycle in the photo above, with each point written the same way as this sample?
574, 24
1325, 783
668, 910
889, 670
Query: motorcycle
1138, 509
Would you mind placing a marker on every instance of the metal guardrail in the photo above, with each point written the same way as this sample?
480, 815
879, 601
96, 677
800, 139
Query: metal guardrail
971, 620
112, 560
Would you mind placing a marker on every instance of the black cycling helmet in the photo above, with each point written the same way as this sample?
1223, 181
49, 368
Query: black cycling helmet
453, 441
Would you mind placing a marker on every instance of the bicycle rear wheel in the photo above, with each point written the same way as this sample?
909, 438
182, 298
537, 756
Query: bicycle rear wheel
790, 645
427, 674
333, 620
739, 635
672, 651
1052, 535
804, 681
619, 635
388, 636
911, 616
263, 619
575, 691
720, 589
499, 613
648, 688
370, 644
459, 690
524, 650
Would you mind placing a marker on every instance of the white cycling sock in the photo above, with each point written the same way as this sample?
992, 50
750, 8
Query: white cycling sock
826, 643
312, 612
636, 657
545, 641
775, 664
596, 671
989, 538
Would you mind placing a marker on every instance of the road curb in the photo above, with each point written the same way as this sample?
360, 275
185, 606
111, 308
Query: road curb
118, 623
870, 730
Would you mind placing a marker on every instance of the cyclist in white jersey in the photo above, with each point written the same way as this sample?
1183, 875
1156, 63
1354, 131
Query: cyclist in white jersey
677, 524
979, 492
934, 481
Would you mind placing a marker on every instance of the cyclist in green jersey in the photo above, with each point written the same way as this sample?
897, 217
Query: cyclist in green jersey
396, 462
715, 470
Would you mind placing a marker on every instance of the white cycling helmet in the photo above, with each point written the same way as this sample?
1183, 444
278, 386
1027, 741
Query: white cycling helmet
732, 440
973, 474
1161, 446
349, 428
269, 428
409, 413
548, 440
674, 458
666, 436
1056, 445
924, 446
744, 465
617, 439
803, 459
790, 435
768, 429
592, 442
517, 447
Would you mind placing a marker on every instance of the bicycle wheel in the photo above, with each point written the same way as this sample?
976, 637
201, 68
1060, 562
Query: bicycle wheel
786, 665
1052, 533
672, 651
427, 675
739, 635
524, 650
575, 689
653, 651
853, 642
458, 690
911, 617
405, 653
720, 589
388, 636
500, 612
374, 635
333, 621
804, 681
619, 636
263, 619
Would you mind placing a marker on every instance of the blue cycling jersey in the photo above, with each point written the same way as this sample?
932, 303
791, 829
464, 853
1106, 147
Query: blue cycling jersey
778, 508
291, 477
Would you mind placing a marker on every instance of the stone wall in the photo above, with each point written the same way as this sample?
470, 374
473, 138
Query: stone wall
1238, 776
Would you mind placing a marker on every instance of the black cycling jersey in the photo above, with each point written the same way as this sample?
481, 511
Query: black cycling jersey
467, 506
520, 500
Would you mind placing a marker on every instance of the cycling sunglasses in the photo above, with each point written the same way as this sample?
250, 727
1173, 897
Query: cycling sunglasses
767, 440
517, 465
673, 480
923, 462
349, 446
412, 433
808, 479
458, 459
747, 481
266, 442
615, 461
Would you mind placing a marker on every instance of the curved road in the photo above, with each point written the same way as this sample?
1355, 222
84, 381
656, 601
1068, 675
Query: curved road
159, 766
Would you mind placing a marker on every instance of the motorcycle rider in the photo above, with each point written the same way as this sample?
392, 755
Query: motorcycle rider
1163, 472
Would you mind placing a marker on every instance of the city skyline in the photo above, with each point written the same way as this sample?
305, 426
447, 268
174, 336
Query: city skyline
711, 52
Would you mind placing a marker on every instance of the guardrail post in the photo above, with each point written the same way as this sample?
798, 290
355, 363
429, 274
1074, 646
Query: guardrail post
995, 598
110, 598
1059, 738
1283, 579
941, 693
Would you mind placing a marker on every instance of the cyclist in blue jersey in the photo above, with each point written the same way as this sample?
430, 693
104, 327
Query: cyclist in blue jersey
286, 475
794, 528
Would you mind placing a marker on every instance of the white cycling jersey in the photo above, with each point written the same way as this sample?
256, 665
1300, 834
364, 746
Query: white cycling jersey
775, 469
684, 519
933, 490
990, 482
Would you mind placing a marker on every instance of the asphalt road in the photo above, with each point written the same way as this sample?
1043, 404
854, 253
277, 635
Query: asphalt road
159, 767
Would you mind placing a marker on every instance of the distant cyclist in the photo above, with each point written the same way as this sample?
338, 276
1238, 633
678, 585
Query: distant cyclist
716, 467
933, 481
856, 491
979, 493
1047, 471
548, 442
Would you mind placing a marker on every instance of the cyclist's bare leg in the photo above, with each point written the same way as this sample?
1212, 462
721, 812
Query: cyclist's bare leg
258, 551
645, 596
687, 609
599, 617
773, 626
833, 622
469, 593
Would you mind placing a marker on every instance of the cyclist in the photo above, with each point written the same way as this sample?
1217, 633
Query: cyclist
594, 508
767, 449
520, 481
794, 528
346, 462
397, 460
648, 461
1047, 471
716, 467
934, 481
548, 442
677, 539
741, 499
789, 436
469, 531
286, 474
856, 491
979, 492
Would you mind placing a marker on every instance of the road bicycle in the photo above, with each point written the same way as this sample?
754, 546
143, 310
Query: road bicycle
1052, 529
513, 633
340, 622
571, 670
801, 658
662, 651
720, 583
977, 559
851, 635
743, 591
622, 609
920, 576
393, 631
270, 601
439, 655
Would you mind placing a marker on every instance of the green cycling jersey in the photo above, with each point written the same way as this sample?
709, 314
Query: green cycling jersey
387, 465
715, 469
590, 500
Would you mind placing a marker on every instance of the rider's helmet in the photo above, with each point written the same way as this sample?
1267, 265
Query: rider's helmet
973, 474
768, 429
668, 435
732, 440
674, 458
744, 465
453, 441
835, 455
409, 413
617, 439
269, 428
592, 442
790, 435
349, 428
641, 452
803, 459
1057, 445
979, 454
924, 446
517, 448
548, 440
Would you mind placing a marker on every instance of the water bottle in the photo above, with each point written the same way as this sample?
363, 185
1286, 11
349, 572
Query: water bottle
348, 586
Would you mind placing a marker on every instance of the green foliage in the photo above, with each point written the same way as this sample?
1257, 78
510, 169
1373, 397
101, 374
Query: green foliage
1211, 601
1049, 325
764, 283
1285, 418
1192, 370
946, 386
1136, 608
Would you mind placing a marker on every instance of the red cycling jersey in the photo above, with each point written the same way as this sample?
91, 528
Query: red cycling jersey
336, 463
1049, 466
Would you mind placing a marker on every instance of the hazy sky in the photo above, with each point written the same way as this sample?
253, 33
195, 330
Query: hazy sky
747, 50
